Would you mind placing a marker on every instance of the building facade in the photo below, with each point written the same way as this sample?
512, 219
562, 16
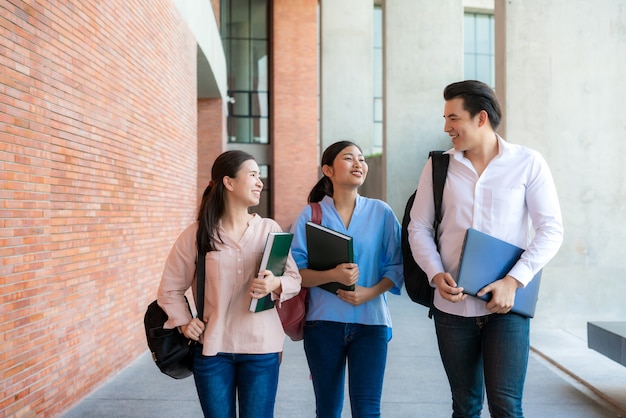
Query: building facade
111, 114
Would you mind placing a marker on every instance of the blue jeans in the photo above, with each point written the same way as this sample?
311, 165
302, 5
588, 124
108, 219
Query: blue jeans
327, 346
253, 378
484, 353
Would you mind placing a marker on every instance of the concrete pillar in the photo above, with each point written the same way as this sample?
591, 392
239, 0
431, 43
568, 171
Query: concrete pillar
347, 80
423, 52
565, 70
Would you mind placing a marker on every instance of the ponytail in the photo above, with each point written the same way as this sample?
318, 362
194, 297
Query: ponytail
324, 187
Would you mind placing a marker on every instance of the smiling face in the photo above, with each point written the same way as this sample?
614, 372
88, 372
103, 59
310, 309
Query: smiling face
464, 130
349, 168
246, 186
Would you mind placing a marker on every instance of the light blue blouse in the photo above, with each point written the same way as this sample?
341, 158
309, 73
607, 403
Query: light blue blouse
376, 242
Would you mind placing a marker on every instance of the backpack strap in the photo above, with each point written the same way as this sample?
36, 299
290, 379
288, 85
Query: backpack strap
440, 162
200, 279
316, 212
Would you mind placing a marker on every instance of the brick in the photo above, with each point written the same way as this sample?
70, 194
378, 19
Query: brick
98, 154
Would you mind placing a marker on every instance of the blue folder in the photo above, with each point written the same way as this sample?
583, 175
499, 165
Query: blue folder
485, 259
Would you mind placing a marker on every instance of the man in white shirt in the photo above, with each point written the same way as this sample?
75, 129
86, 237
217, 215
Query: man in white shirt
503, 190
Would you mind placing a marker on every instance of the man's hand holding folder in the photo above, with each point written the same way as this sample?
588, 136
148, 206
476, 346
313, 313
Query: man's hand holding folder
448, 288
502, 294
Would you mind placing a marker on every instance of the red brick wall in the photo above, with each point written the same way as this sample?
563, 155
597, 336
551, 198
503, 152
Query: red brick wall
98, 156
294, 105
211, 138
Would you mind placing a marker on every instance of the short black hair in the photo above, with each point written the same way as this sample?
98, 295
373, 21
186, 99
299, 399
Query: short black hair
476, 96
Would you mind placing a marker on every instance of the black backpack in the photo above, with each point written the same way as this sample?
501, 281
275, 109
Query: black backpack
415, 280
171, 351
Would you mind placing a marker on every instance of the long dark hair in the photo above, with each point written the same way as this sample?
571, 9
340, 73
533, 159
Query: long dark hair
213, 204
324, 186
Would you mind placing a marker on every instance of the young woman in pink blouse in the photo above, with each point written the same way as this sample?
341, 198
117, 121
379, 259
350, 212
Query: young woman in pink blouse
238, 354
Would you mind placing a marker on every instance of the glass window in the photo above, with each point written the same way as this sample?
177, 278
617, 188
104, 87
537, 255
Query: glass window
234, 19
377, 144
259, 130
378, 72
239, 130
241, 105
258, 19
239, 18
260, 104
239, 65
378, 109
245, 40
225, 19
479, 54
258, 65
378, 27
469, 67
483, 66
483, 34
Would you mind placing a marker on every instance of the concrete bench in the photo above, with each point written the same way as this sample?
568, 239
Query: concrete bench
609, 339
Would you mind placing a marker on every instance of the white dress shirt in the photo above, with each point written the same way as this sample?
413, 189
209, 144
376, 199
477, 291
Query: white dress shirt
514, 199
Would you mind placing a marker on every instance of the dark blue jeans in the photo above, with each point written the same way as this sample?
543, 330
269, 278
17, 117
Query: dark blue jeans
327, 346
484, 353
252, 378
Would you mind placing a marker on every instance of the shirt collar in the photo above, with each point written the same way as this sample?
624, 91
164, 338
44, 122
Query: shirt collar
503, 147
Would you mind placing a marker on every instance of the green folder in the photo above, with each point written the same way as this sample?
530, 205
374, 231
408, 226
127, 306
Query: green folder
274, 259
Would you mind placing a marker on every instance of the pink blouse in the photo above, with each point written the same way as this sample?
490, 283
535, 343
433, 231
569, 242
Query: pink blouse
230, 326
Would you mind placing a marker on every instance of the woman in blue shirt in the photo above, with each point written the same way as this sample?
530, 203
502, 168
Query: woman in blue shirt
349, 325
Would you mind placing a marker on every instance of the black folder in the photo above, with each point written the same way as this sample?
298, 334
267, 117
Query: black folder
328, 248
485, 259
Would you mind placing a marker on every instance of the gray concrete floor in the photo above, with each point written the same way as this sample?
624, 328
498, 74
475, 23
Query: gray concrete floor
565, 379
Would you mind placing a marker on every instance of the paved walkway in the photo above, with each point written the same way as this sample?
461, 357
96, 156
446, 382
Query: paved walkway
565, 379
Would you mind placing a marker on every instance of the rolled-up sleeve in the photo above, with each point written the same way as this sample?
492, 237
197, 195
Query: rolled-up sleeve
392, 267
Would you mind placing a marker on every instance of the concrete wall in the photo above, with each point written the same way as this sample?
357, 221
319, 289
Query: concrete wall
423, 52
346, 65
564, 83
